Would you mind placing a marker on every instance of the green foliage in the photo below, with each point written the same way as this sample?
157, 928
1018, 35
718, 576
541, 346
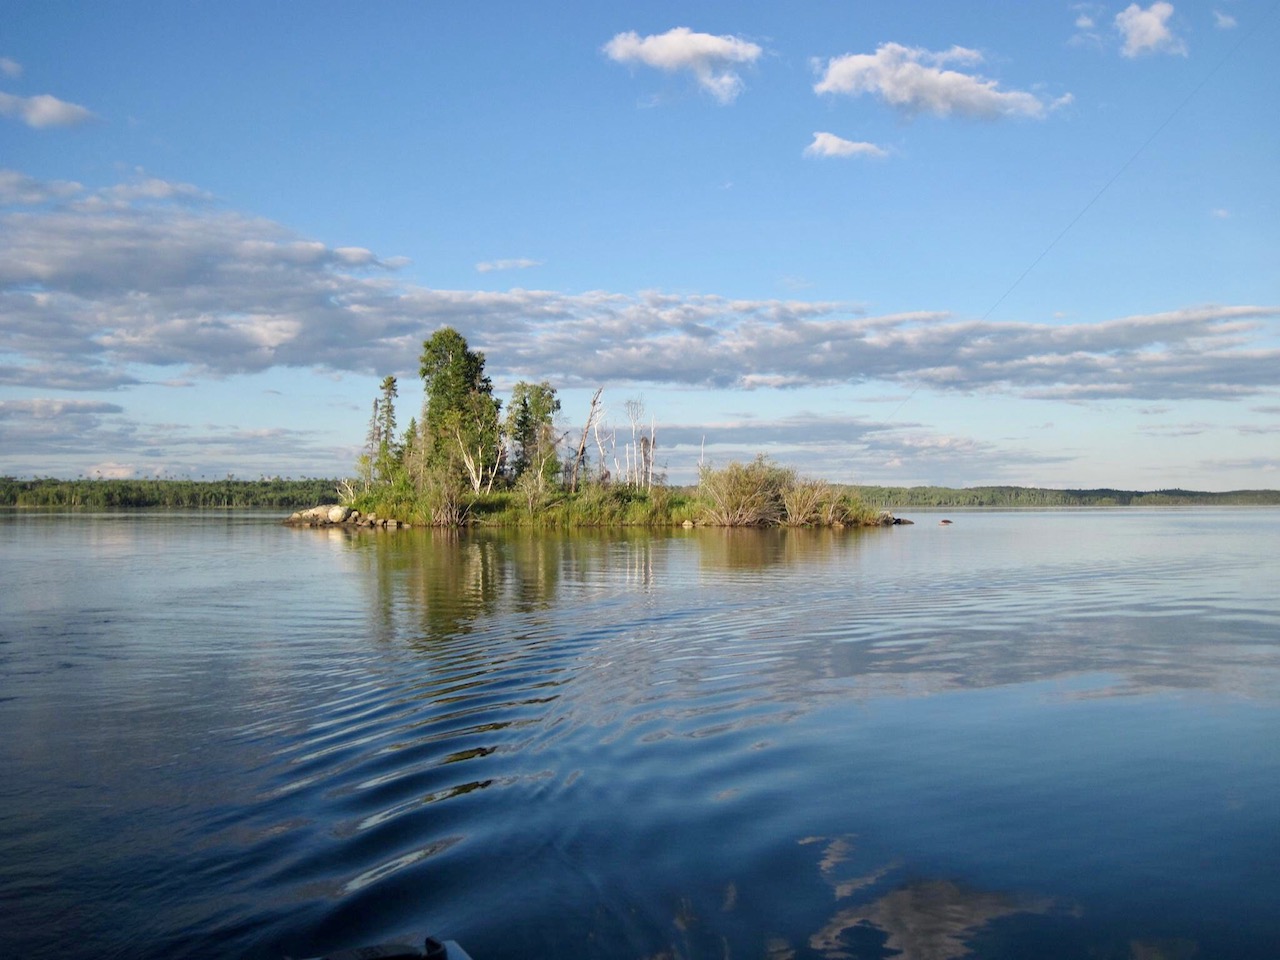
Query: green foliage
530, 427
387, 454
460, 426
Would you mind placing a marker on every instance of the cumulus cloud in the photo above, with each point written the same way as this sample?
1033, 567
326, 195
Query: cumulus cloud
10, 68
1223, 21
43, 110
711, 59
99, 295
913, 80
829, 145
1148, 31
519, 263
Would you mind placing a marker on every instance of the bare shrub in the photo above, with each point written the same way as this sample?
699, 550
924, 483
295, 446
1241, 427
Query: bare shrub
803, 502
744, 495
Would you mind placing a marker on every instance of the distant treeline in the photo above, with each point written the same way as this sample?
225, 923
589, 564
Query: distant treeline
1037, 497
192, 494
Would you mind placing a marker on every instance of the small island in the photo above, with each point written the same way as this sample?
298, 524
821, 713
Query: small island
469, 462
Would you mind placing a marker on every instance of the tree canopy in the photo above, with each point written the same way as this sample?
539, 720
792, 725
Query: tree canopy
460, 425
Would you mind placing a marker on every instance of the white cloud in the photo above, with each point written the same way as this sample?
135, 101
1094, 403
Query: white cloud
829, 145
1223, 21
519, 263
708, 57
43, 110
912, 80
102, 295
10, 68
1219, 213
111, 470
1148, 31
355, 256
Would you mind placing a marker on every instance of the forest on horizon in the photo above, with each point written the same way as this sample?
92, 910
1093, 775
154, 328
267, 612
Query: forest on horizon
173, 493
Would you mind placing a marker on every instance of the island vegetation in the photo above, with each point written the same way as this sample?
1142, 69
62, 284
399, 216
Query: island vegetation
469, 461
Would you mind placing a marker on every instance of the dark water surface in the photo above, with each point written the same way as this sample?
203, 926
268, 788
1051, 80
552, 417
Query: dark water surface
1024, 735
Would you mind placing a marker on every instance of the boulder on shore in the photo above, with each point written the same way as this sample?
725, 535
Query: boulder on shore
887, 519
337, 515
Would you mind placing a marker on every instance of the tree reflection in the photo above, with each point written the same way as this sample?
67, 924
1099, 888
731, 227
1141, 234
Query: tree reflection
429, 585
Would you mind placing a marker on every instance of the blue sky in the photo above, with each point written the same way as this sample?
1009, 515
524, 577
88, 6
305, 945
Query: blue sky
929, 242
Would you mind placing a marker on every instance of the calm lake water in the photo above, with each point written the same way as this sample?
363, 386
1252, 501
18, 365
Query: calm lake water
1023, 735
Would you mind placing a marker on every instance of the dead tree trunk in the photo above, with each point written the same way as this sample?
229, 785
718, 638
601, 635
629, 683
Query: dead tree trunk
581, 456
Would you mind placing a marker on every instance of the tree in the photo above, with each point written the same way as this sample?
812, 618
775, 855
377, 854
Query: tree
530, 426
580, 458
386, 454
639, 471
460, 415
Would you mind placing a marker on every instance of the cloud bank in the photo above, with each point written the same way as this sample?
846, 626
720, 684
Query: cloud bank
711, 59
913, 80
106, 289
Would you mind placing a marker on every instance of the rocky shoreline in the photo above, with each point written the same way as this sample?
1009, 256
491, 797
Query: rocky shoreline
335, 515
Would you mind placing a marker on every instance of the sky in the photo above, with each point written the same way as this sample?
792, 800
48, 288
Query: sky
881, 242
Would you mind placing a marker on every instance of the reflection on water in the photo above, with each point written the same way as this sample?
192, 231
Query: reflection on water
1044, 735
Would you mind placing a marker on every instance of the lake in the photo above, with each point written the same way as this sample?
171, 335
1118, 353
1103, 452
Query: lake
1034, 734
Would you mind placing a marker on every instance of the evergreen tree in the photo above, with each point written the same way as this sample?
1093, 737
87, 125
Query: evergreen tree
386, 455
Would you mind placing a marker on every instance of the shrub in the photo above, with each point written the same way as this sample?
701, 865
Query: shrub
807, 502
744, 495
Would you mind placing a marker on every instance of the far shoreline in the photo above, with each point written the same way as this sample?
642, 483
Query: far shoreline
289, 495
